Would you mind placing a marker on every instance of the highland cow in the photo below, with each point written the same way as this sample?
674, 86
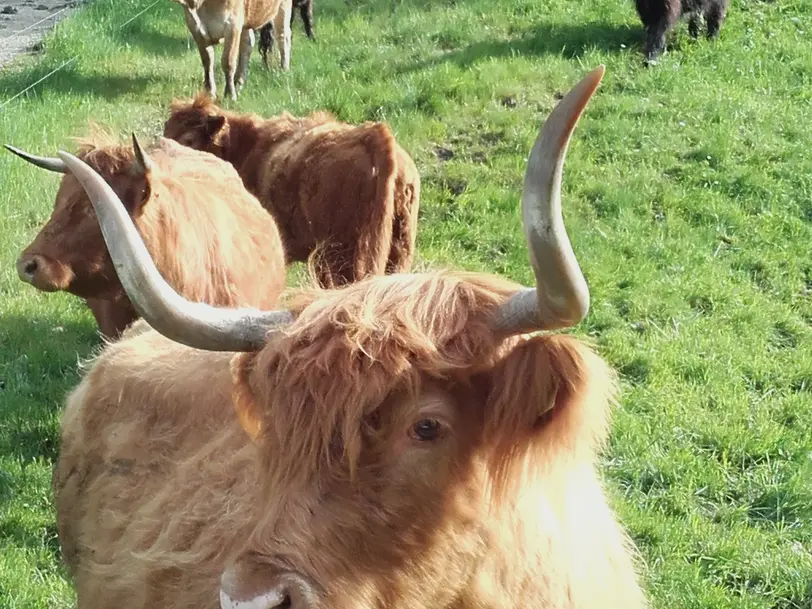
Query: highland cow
211, 238
398, 442
660, 16
234, 22
346, 194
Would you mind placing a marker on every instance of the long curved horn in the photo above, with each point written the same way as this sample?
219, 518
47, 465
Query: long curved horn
51, 164
561, 296
195, 324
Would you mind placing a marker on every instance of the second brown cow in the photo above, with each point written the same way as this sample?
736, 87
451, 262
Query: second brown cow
350, 194
211, 239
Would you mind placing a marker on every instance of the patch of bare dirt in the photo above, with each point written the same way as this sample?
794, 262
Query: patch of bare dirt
23, 23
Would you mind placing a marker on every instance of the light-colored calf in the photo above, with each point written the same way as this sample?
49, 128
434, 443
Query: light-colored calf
233, 22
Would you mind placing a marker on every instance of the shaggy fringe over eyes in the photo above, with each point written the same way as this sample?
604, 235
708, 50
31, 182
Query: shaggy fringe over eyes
348, 349
201, 101
546, 396
103, 151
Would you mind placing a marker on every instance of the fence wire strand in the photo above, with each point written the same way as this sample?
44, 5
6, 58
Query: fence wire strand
72, 59
33, 25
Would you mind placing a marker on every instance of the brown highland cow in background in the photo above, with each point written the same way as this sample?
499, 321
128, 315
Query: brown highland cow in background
349, 193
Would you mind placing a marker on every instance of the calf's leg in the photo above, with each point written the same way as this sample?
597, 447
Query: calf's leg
281, 31
266, 42
694, 23
306, 11
246, 47
401, 252
715, 16
205, 49
231, 50
207, 57
656, 31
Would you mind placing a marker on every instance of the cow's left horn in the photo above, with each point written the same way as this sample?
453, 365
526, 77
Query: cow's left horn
142, 161
561, 296
195, 324
49, 163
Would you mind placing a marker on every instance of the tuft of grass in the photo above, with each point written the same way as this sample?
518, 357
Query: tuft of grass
688, 198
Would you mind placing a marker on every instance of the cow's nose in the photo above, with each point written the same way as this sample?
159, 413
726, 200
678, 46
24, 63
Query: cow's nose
288, 591
27, 268
273, 599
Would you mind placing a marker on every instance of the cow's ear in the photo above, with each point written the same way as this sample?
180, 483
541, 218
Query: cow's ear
242, 399
551, 394
216, 128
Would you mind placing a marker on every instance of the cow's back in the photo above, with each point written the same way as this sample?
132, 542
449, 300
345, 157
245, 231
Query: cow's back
332, 184
139, 469
220, 245
260, 12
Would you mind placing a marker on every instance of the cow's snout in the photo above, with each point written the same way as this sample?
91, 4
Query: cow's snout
27, 268
282, 591
43, 274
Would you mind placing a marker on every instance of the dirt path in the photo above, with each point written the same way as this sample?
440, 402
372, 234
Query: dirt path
23, 23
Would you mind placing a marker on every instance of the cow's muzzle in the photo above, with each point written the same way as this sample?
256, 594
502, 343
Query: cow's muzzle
42, 273
242, 588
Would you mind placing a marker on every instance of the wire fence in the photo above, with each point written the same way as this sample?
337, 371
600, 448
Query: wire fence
72, 59
33, 25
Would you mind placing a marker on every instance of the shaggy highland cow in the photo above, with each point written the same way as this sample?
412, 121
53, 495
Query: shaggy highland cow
210, 237
402, 442
345, 196
659, 16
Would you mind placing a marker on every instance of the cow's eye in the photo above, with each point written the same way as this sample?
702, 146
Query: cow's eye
426, 430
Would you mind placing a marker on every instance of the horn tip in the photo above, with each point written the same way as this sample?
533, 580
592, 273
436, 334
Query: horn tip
599, 72
594, 77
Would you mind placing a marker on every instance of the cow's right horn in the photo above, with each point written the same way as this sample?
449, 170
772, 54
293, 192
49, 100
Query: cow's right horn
49, 163
195, 324
561, 296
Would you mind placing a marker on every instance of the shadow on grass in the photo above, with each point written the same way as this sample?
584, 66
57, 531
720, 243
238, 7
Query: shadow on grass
565, 40
70, 80
38, 367
340, 9
155, 42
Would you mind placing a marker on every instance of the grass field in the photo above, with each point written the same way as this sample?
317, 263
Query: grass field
688, 198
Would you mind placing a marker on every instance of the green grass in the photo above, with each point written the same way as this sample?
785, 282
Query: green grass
688, 197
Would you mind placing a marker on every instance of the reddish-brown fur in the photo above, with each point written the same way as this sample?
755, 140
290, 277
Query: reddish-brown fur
349, 193
210, 238
159, 489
